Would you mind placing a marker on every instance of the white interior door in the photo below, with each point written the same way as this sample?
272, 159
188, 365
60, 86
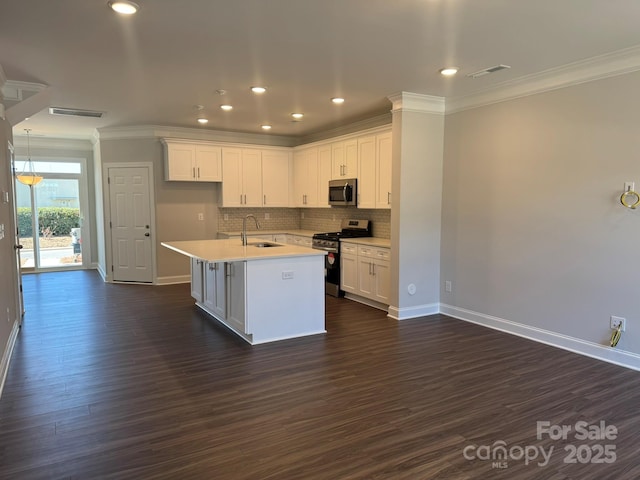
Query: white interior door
130, 222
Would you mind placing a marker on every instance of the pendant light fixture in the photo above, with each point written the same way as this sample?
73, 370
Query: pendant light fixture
28, 175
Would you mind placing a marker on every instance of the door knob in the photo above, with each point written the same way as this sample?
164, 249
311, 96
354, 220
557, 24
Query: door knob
18, 247
147, 234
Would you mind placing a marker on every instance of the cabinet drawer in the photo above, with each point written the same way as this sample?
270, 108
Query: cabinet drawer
347, 248
373, 252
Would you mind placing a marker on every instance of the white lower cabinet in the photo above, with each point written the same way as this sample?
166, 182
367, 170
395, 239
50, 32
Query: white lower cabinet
365, 271
349, 267
215, 289
236, 298
223, 292
197, 279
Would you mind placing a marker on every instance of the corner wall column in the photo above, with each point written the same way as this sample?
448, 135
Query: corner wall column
416, 207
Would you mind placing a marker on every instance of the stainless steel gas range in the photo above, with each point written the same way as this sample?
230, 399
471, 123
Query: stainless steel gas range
330, 243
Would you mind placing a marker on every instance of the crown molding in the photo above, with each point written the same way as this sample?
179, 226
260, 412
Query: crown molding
414, 102
383, 120
157, 131
595, 68
84, 145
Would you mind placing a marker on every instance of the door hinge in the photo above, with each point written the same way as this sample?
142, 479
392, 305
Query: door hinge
108, 180
111, 268
110, 224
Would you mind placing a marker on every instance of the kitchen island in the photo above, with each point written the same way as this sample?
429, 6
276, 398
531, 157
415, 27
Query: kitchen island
263, 291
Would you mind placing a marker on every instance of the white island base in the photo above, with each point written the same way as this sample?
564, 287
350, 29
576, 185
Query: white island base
261, 295
281, 299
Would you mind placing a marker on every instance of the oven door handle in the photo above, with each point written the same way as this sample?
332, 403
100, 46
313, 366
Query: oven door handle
326, 249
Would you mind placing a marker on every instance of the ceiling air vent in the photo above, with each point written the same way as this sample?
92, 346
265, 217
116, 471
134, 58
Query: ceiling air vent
487, 71
74, 112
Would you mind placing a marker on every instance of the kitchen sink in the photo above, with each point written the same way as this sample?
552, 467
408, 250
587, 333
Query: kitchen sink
264, 244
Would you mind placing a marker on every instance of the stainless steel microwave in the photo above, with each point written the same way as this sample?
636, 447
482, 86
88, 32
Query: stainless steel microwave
343, 192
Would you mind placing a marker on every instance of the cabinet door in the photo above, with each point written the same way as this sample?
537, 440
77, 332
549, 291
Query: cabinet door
197, 279
252, 177
324, 175
236, 303
383, 170
365, 277
208, 163
232, 177
275, 178
311, 192
351, 158
300, 177
180, 162
215, 289
367, 172
349, 273
382, 281
337, 160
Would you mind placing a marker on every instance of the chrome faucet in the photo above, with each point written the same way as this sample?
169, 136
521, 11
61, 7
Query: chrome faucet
243, 235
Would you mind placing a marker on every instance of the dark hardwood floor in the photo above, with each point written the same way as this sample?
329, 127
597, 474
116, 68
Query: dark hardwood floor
134, 382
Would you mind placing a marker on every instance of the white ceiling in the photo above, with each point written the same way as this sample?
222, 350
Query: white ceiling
153, 68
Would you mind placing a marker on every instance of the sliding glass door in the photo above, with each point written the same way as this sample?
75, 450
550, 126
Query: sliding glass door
50, 216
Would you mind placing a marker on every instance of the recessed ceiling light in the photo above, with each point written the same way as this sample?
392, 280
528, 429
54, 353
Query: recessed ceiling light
337, 100
265, 127
449, 71
124, 7
203, 120
226, 108
258, 89
297, 116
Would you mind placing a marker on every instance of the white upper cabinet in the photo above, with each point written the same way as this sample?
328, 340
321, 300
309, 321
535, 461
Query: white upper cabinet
276, 178
191, 162
324, 175
367, 172
242, 177
305, 177
383, 170
344, 156
374, 171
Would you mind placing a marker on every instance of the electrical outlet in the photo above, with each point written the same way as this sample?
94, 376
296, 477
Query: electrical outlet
201, 216
287, 275
447, 286
226, 216
267, 216
615, 321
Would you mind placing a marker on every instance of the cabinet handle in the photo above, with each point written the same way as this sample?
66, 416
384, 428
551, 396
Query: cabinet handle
226, 270
240, 199
388, 198
265, 200
194, 172
373, 269
198, 172
245, 198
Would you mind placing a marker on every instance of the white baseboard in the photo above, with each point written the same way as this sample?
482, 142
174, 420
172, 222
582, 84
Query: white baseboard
366, 301
173, 280
101, 272
6, 357
413, 312
572, 344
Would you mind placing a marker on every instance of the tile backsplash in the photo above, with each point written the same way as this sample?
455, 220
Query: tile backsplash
316, 219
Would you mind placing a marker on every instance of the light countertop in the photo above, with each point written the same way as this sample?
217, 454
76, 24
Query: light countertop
371, 241
232, 250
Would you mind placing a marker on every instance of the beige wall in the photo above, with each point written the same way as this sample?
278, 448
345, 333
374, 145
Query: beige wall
177, 204
533, 231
